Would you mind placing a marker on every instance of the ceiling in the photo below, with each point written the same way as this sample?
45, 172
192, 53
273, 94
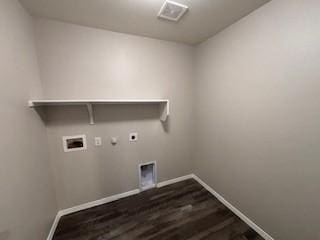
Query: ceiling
204, 19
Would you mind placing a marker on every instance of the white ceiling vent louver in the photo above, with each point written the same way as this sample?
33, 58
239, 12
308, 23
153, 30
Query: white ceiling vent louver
172, 11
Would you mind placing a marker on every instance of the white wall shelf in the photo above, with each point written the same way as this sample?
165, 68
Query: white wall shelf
164, 104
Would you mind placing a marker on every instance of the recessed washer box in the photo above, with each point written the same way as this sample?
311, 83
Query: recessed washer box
74, 143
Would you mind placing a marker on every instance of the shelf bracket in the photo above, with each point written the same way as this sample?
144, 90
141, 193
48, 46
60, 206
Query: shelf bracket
164, 111
90, 111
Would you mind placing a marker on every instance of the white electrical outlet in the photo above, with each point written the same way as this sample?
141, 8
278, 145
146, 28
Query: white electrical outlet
97, 141
133, 137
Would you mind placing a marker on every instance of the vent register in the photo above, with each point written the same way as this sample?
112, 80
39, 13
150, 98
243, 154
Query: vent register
172, 11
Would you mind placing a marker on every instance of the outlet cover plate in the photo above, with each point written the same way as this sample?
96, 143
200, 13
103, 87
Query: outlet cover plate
133, 137
97, 141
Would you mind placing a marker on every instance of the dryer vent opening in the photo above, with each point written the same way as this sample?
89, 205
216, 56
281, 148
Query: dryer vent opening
147, 175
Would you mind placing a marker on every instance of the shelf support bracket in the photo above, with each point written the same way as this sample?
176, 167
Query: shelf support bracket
90, 111
164, 111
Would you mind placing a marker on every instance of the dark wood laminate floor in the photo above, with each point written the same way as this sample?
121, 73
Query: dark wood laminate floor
184, 210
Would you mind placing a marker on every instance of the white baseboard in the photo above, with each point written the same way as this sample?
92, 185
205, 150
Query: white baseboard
98, 202
106, 200
54, 226
237, 212
175, 180
159, 185
86, 206
118, 196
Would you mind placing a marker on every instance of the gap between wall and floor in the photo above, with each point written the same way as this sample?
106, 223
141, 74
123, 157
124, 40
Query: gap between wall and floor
112, 198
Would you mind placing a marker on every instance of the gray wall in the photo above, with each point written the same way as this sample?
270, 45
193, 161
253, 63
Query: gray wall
258, 127
80, 62
257, 110
27, 202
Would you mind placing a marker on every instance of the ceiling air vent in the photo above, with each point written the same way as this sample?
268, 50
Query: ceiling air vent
172, 11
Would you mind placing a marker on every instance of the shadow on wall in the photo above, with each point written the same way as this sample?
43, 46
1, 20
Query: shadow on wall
166, 125
4, 235
70, 115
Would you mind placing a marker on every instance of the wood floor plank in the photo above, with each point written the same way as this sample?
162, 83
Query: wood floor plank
181, 211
